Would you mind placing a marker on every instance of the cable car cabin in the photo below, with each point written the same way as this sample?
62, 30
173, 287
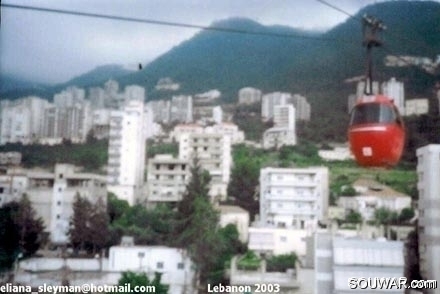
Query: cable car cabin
376, 133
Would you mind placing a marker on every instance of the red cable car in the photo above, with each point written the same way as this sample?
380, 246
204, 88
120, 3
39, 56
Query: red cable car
376, 133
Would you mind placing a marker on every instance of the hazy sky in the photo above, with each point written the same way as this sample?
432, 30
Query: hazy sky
53, 48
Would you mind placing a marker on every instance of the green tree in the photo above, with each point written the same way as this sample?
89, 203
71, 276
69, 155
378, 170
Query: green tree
348, 191
384, 216
89, 226
30, 227
353, 217
280, 263
21, 231
245, 177
196, 227
406, 214
142, 280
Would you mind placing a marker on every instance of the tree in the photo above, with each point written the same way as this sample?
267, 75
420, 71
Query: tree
89, 226
30, 227
353, 217
245, 176
142, 280
384, 216
196, 227
21, 231
406, 214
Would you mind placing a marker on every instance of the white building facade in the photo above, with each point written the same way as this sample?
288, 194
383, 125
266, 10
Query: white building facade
249, 95
395, 90
428, 171
166, 179
213, 152
127, 148
294, 197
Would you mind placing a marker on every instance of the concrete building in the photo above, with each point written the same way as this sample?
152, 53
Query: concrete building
338, 153
227, 129
302, 107
278, 137
68, 122
22, 120
167, 84
174, 264
127, 148
269, 101
395, 90
181, 109
339, 259
284, 116
272, 240
161, 110
294, 197
10, 158
416, 106
217, 114
230, 214
213, 152
249, 95
182, 129
101, 123
69, 97
371, 196
53, 193
167, 178
98, 98
428, 172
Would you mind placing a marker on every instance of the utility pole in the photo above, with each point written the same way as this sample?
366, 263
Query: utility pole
370, 27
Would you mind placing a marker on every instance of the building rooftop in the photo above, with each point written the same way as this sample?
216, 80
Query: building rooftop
370, 187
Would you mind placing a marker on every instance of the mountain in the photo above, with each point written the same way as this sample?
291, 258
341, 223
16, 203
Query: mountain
314, 64
308, 63
21, 86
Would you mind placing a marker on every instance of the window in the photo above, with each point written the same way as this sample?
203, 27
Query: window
2, 190
159, 265
180, 265
58, 203
283, 239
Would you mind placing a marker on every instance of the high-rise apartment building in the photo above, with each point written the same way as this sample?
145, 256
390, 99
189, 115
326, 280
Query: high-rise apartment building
213, 152
22, 119
127, 147
181, 108
249, 95
284, 116
428, 171
302, 107
294, 197
269, 101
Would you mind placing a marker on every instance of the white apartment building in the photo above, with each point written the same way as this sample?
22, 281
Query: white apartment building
181, 129
161, 110
428, 171
167, 178
213, 152
98, 98
395, 90
227, 129
52, 194
181, 108
126, 151
269, 101
294, 197
302, 107
416, 106
174, 264
270, 240
277, 137
249, 95
22, 120
284, 116
373, 195
69, 97
338, 259
217, 114
101, 122
68, 122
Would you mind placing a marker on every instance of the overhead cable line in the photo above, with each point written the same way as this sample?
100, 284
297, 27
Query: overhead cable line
391, 33
173, 24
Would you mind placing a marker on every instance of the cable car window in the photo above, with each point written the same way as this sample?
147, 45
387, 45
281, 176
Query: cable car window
372, 113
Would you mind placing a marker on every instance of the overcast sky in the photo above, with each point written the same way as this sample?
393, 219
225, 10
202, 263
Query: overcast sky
53, 48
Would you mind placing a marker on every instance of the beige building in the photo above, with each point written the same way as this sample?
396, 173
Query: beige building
213, 152
53, 193
416, 106
166, 179
230, 214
